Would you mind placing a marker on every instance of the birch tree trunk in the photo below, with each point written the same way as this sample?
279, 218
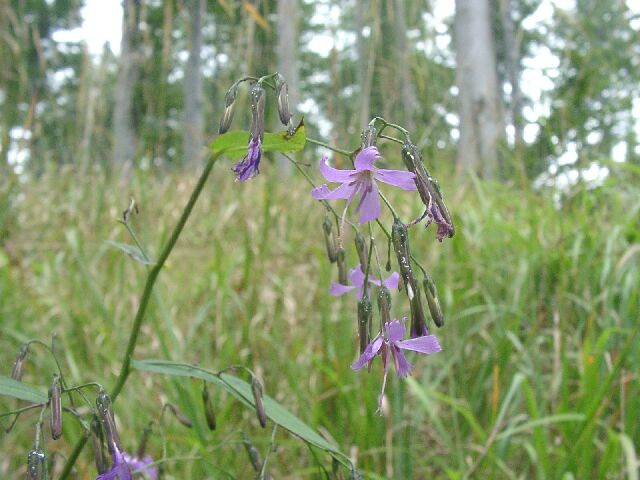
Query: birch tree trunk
124, 129
193, 97
479, 104
408, 99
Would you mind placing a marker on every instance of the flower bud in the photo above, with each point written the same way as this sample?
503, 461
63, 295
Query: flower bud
97, 440
254, 454
342, 266
432, 300
55, 404
400, 239
329, 239
369, 136
229, 108
105, 414
37, 465
365, 314
256, 390
282, 92
363, 251
418, 318
257, 111
384, 304
18, 365
179, 415
209, 414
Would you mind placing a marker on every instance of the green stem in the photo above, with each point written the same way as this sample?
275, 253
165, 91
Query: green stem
326, 145
152, 276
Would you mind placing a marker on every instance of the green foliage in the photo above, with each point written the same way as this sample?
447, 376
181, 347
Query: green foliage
233, 144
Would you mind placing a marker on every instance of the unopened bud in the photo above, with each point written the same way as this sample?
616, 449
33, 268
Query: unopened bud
400, 239
342, 266
258, 98
369, 136
432, 300
256, 389
418, 318
179, 415
105, 413
18, 365
282, 92
365, 314
97, 441
229, 108
37, 465
55, 405
363, 251
254, 454
209, 414
384, 304
329, 239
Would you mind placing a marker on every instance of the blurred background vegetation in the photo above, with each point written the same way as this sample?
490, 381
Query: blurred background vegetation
531, 125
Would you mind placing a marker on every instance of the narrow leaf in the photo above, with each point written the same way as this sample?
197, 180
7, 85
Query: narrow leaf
132, 250
23, 391
233, 144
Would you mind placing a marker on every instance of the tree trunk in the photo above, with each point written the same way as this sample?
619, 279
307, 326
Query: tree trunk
512, 57
408, 99
193, 97
124, 131
480, 109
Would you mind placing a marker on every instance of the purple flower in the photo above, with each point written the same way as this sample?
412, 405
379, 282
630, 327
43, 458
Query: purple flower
357, 282
248, 167
392, 342
120, 469
142, 465
445, 229
362, 181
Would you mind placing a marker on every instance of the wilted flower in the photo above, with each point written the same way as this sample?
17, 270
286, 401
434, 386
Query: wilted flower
142, 465
356, 275
120, 470
391, 341
362, 181
249, 166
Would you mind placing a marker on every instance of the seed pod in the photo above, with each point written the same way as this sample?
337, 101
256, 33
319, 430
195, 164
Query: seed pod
254, 454
418, 318
432, 300
55, 404
37, 465
258, 98
368, 136
18, 365
282, 92
97, 441
209, 414
229, 108
179, 415
363, 251
329, 239
256, 389
365, 314
384, 304
342, 266
105, 414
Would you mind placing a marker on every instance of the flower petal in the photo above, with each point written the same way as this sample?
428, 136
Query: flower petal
369, 205
337, 289
392, 281
395, 331
397, 178
369, 353
333, 174
365, 158
403, 367
344, 191
427, 344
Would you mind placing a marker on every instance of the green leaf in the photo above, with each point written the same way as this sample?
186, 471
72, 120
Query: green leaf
132, 250
242, 391
23, 391
233, 144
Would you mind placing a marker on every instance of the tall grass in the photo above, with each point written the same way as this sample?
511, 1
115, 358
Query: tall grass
539, 372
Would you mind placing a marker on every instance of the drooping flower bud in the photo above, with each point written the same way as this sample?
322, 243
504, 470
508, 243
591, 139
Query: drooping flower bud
329, 239
105, 414
282, 92
97, 441
361, 248
432, 300
342, 266
55, 405
384, 305
418, 318
365, 314
209, 413
258, 98
179, 415
229, 108
256, 390
368, 136
37, 465
18, 365
400, 239
254, 454
249, 166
